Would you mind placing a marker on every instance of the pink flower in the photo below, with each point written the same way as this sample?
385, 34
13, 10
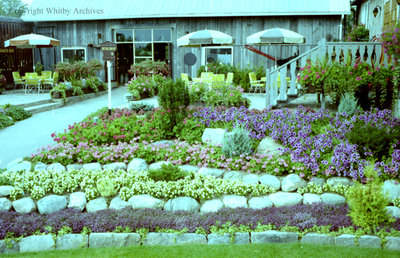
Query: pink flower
318, 76
369, 73
358, 78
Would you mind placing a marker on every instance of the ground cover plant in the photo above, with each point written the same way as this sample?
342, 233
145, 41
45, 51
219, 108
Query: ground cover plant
11, 113
319, 218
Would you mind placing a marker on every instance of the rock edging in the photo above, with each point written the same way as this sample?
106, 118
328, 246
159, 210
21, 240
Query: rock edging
37, 243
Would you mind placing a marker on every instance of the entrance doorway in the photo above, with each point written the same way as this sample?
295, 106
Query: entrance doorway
123, 62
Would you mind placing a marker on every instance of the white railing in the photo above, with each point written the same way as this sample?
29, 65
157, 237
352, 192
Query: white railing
370, 52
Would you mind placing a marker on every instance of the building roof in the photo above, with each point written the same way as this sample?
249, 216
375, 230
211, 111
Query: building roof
70, 10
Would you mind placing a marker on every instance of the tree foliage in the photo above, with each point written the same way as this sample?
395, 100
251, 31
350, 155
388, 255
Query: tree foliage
12, 8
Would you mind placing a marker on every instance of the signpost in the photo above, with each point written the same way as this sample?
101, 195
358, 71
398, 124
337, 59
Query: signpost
108, 48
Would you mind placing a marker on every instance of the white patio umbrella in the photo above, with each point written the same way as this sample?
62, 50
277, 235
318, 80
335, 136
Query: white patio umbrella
205, 37
32, 41
275, 36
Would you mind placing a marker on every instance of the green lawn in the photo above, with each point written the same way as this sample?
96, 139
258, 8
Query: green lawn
254, 250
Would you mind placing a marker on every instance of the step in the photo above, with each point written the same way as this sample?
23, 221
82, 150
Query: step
35, 103
44, 107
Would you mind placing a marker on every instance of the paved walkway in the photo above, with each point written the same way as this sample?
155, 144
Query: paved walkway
25, 137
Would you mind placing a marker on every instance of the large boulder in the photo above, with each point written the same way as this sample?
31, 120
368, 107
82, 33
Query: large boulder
392, 189
189, 168
260, 202
19, 165
234, 175
251, 179
118, 204
157, 165
71, 241
145, 201
269, 146
92, 166
97, 204
393, 211
58, 167
212, 206
309, 198
271, 181
71, 167
335, 181
182, 204
51, 203
235, 201
77, 200
317, 181
292, 182
113, 239
24, 205
5, 204
137, 165
280, 199
333, 199
215, 172
213, 136
40, 166
5, 190
115, 166
37, 243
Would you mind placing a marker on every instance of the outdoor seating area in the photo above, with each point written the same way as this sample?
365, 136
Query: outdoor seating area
32, 82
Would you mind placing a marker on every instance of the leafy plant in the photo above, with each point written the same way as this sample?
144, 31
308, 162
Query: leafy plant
167, 172
17, 113
141, 87
367, 203
174, 99
373, 140
149, 67
348, 104
357, 33
106, 187
5, 120
390, 38
237, 142
190, 130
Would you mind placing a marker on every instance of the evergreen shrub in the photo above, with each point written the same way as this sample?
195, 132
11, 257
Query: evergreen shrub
237, 142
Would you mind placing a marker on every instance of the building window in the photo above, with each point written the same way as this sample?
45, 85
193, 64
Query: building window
147, 44
221, 55
73, 54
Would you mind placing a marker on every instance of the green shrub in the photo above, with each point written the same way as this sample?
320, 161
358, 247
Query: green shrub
106, 187
348, 104
5, 120
376, 140
367, 202
237, 142
149, 67
190, 130
167, 172
174, 99
16, 113
141, 87
228, 96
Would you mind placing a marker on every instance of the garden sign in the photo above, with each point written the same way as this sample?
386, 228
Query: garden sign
108, 48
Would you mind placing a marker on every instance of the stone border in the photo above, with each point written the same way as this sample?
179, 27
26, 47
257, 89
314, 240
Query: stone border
36, 243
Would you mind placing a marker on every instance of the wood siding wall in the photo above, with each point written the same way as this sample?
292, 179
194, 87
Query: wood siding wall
14, 59
83, 33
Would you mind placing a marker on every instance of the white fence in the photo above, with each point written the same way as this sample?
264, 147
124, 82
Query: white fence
370, 52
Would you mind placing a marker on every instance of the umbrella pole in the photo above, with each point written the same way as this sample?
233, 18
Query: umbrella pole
33, 56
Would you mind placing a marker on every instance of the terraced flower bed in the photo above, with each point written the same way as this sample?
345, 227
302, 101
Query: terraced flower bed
105, 159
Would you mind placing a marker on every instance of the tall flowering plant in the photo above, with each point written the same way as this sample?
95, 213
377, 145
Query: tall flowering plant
358, 33
314, 75
391, 42
150, 67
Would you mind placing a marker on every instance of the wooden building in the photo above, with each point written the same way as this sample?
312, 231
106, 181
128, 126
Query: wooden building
149, 29
376, 14
14, 59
